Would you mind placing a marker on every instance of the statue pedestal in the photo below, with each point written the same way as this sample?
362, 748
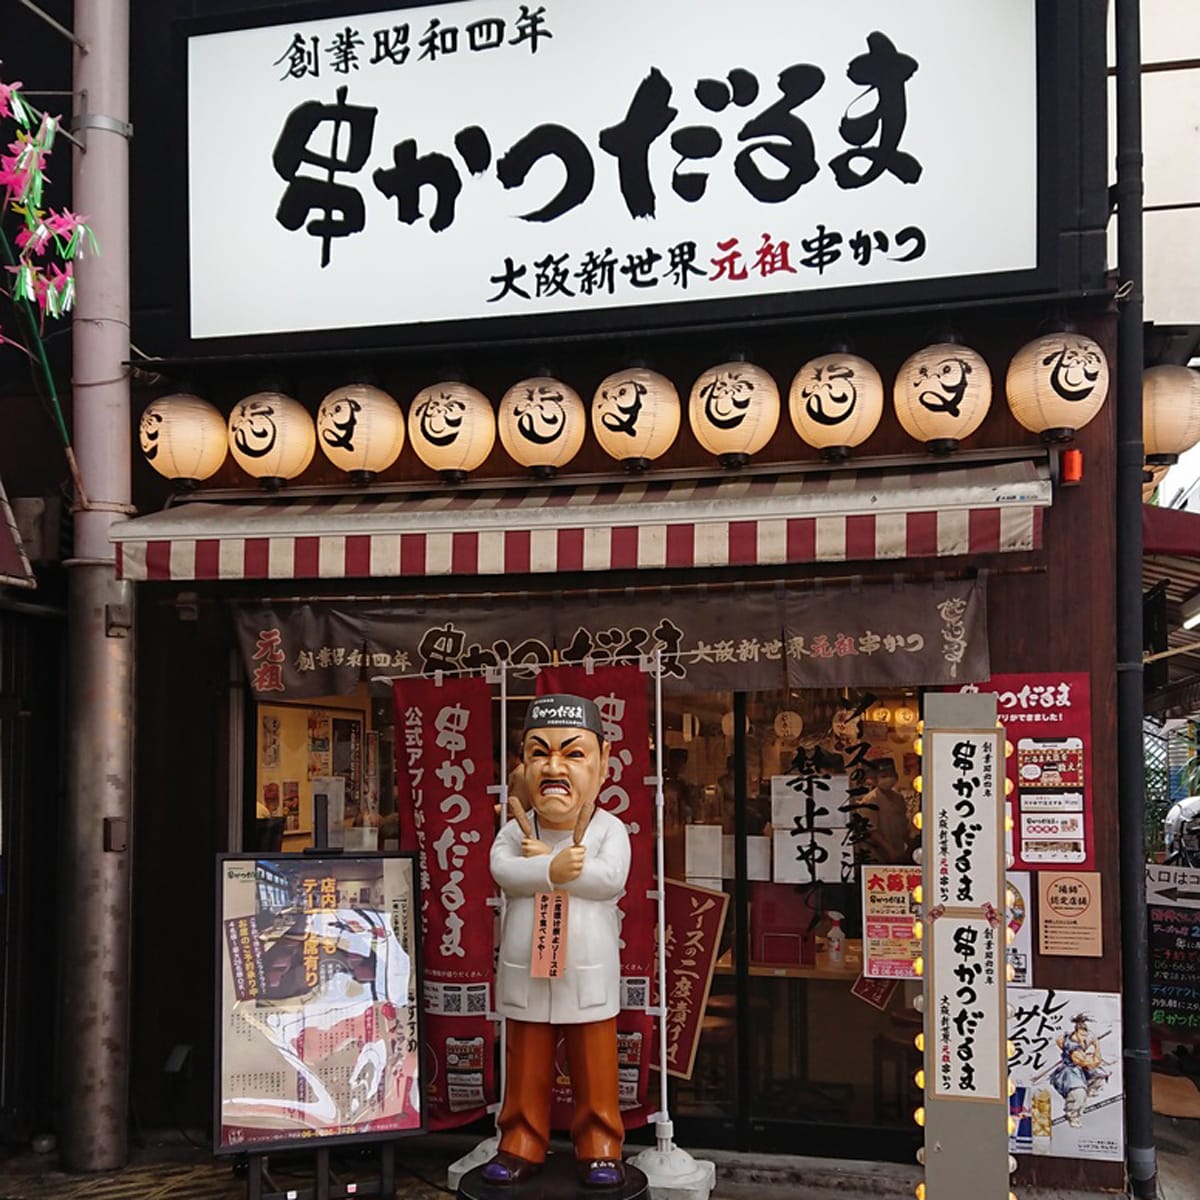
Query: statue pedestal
557, 1181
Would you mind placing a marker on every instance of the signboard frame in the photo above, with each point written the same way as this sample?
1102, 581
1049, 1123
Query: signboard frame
1065, 260
298, 1139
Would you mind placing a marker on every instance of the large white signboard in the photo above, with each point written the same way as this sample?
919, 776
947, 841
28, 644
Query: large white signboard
492, 158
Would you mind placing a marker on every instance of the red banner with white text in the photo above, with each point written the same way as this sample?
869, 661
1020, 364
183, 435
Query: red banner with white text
443, 769
620, 694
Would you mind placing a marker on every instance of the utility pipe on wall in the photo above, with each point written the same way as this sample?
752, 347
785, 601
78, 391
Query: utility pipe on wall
1131, 793
95, 878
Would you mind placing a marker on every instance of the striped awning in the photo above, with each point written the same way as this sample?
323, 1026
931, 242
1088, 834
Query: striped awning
755, 520
15, 570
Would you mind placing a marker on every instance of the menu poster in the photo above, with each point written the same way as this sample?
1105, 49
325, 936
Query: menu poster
1048, 721
318, 1022
1173, 895
889, 911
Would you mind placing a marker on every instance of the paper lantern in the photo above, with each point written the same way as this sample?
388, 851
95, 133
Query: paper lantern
942, 394
635, 416
183, 438
836, 402
734, 410
452, 428
1151, 478
360, 429
1170, 412
542, 423
1057, 384
272, 437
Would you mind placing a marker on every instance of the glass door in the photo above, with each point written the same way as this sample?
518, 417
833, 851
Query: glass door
787, 794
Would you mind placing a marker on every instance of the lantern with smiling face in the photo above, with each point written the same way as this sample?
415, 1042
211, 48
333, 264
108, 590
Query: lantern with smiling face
835, 403
635, 416
542, 423
452, 428
360, 429
942, 394
734, 410
271, 437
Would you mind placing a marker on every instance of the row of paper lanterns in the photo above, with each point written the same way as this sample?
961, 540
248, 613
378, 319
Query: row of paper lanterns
1055, 385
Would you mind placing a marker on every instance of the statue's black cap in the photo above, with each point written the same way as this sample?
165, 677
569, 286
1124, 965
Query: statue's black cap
561, 711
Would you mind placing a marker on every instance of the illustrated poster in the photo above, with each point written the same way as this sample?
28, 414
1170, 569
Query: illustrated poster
1068, 1100
318, 1002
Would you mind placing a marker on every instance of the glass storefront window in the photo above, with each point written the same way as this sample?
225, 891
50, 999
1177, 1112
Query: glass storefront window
826, 785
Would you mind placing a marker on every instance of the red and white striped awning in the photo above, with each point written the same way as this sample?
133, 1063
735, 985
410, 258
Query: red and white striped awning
756, 520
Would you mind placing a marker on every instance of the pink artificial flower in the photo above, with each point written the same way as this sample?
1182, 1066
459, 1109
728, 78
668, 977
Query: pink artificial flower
6, 91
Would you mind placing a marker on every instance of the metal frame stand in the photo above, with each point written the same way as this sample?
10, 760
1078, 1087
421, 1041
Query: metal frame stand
325, 1185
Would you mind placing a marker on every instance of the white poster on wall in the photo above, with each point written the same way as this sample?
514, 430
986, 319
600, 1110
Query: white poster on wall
447, 162
1068, 1100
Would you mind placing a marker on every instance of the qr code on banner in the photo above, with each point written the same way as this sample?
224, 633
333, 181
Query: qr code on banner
477, 999
635, 993
452, 1000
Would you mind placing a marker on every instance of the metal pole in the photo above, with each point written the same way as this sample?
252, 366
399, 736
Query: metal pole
503, 817
95, 906
664, 1118
1135, 960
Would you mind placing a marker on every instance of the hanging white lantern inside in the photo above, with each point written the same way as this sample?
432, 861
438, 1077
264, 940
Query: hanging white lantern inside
942, 394
542, 422
183, 438
733, 411
1056, 384
360, 429
1170, 412
836, 402
452, 428
272, 437
635, 416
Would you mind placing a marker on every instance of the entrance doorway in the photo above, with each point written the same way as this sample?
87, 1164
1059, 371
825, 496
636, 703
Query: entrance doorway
790, 1060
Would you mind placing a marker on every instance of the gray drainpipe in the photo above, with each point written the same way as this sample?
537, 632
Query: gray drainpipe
1131, 792
95, 890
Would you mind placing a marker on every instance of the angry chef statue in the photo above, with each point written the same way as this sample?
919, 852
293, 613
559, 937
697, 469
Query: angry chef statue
569, 858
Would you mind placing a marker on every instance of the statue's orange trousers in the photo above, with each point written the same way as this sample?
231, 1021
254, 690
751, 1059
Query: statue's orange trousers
597, 1130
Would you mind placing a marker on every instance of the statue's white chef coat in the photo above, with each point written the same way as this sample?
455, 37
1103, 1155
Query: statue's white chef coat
589, 988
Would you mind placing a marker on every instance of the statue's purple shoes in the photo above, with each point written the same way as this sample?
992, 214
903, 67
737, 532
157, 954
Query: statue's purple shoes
509, 1168
601, 1172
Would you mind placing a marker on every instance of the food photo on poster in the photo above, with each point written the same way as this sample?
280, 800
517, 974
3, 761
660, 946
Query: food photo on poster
318, 1016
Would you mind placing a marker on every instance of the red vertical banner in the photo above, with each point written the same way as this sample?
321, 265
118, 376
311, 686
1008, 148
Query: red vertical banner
443, 769
620, 694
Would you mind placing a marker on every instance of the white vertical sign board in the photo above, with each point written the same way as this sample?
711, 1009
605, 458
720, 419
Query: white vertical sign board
966, 1072
967, 959
963, 775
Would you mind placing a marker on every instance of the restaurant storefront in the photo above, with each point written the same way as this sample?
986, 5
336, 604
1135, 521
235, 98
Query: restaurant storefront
798, 593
